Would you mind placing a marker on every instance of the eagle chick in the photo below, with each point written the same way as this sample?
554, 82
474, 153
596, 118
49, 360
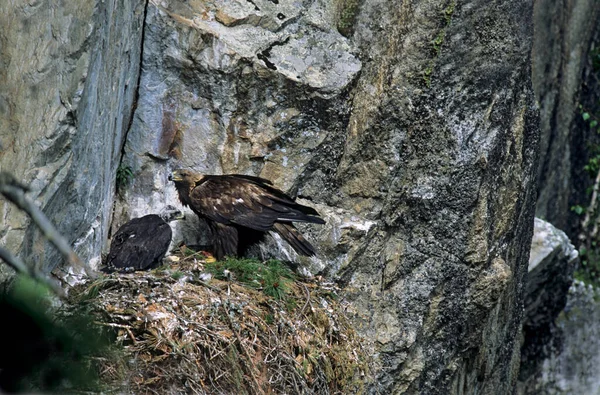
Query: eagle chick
141, 243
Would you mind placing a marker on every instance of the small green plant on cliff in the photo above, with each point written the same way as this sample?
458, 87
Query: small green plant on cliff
348, 11
124, 175
589, 272
438, 41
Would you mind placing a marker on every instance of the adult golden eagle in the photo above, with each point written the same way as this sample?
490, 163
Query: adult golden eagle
240, 209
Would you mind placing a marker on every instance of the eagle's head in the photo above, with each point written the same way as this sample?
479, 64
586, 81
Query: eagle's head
185, 180
170, 213
185, 177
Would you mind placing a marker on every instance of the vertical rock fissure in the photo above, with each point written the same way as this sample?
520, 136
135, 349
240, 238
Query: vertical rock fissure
131, 115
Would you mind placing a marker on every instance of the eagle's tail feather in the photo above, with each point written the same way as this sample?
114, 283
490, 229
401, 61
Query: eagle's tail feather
301, 217
290, 234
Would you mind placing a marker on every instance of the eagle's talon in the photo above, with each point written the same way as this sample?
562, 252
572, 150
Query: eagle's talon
208, 257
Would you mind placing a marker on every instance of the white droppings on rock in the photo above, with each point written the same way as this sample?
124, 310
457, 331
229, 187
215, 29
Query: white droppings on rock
358, 224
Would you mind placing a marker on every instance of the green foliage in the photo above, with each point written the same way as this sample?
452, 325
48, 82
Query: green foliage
269, 318
176, 275
589, 271
592, 165
272, 276
438, 41
589, 251
44, 353
595, 58
590, 118
348, 11
124, 175
427, 75
449, 10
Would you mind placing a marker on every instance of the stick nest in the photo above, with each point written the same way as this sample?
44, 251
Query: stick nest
183, 330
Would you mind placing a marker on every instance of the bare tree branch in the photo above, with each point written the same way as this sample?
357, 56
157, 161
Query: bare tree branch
14, 191
20, 267
584, 237
9, 179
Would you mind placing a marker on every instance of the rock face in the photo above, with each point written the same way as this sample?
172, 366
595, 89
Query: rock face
574, 367
411, 127
249, 87
414, 133
564, 31
68, 75
440, 278
551, 264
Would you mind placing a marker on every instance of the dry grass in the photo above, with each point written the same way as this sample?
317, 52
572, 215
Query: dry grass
180, 334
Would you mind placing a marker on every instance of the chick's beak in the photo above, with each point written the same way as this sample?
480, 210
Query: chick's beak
170, 178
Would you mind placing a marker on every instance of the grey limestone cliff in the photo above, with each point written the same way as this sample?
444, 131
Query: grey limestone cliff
69, 73
573, 365
414, 134
410, 126
550, 276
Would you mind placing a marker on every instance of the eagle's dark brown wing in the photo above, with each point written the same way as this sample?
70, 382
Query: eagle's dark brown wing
290, 234
140, 244
247, 202
257, 180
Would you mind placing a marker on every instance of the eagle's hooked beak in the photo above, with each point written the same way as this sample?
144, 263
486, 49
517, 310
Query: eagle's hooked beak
175, 176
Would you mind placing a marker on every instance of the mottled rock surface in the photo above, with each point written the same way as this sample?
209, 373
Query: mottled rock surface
414, 133
574, 367
560, 69
440, 279
69, 74
410, 126
551, 264
239, 87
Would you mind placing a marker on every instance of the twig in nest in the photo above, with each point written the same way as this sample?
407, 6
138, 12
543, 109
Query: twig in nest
113, 325
14, 191
307, 300
586, 220
206, 285
239, 339
592, 208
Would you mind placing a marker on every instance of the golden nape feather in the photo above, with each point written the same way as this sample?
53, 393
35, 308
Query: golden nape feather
240, 209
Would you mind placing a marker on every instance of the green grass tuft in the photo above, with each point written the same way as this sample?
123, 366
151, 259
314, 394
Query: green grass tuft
176, 275
272, 277
124, 175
